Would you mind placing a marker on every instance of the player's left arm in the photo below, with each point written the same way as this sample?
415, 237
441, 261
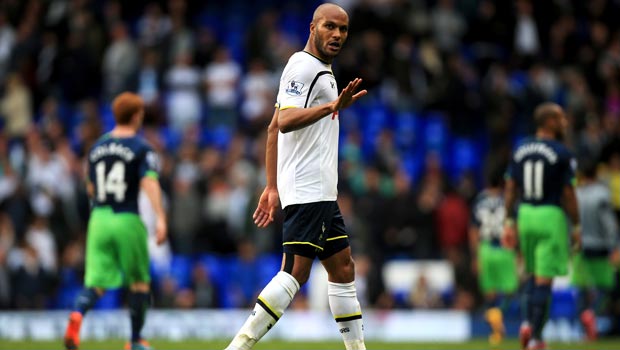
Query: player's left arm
609, 223
150, 185
569, 202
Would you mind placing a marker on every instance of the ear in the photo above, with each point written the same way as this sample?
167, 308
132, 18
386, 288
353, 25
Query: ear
312, 26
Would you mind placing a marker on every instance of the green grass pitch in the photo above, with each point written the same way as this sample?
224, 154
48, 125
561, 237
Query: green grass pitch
476, 344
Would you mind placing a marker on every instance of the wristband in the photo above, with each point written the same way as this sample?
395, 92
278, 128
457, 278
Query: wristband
577, 227
510, 222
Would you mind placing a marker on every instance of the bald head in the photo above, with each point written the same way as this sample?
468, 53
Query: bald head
328, 32
550, 121
328, 10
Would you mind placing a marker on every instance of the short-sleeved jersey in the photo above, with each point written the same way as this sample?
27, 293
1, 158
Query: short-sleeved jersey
115, 168
488, 215
541, 169
599, 227
308, 157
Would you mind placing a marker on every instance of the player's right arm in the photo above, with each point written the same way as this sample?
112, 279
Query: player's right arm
292, 119
609, 223
269, 200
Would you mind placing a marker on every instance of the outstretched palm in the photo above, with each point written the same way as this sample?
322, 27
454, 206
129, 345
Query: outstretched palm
348, 95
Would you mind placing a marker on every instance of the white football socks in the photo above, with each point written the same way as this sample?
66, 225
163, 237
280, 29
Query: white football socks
348, 314
271, 303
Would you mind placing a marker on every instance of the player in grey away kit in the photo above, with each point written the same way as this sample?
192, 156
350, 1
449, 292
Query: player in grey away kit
593, 265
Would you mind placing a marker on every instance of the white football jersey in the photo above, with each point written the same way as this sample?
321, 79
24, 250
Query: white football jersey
308, 157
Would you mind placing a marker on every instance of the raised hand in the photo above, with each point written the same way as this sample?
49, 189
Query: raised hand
268, 202
348, 95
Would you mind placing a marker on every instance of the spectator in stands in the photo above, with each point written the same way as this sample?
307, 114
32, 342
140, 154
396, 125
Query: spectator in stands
51, 185
216, 205
185, 212
48, 64
241, 179
258, 86
452, 222
39, 236
527, 42
16, 107
7, 242
181, 39
221, 78
153, 27
422, 295
77, 63
7, 41
9, 179
448, 26
82, 22
206, 293
182, 80
149, 79
29, 281
120, 62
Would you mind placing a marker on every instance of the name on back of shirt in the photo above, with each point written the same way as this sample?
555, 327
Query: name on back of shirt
536, 148
112, 149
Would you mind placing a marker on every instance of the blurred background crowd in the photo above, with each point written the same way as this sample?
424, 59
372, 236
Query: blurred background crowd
452, 85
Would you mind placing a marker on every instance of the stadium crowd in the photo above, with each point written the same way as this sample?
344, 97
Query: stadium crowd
452, 85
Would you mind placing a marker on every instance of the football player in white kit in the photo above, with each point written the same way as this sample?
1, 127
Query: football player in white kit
302, 173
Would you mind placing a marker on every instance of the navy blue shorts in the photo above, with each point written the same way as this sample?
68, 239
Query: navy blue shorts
314, 230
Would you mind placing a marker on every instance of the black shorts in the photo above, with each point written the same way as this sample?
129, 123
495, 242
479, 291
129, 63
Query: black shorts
314, 230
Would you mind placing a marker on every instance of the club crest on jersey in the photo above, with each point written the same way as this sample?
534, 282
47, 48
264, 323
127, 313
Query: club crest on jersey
294, 88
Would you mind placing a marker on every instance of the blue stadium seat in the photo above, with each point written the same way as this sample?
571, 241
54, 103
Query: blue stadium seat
563, 304
518, 81
375, 120
465, 156
412, 163
181, 270
435, 133
112, 299
217, 268
107, 117
68, 289
171, 138
158, 272
268, 266
218, 137
406, 130
65, 299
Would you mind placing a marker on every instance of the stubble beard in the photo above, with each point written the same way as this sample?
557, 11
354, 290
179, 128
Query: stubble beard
320, 47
